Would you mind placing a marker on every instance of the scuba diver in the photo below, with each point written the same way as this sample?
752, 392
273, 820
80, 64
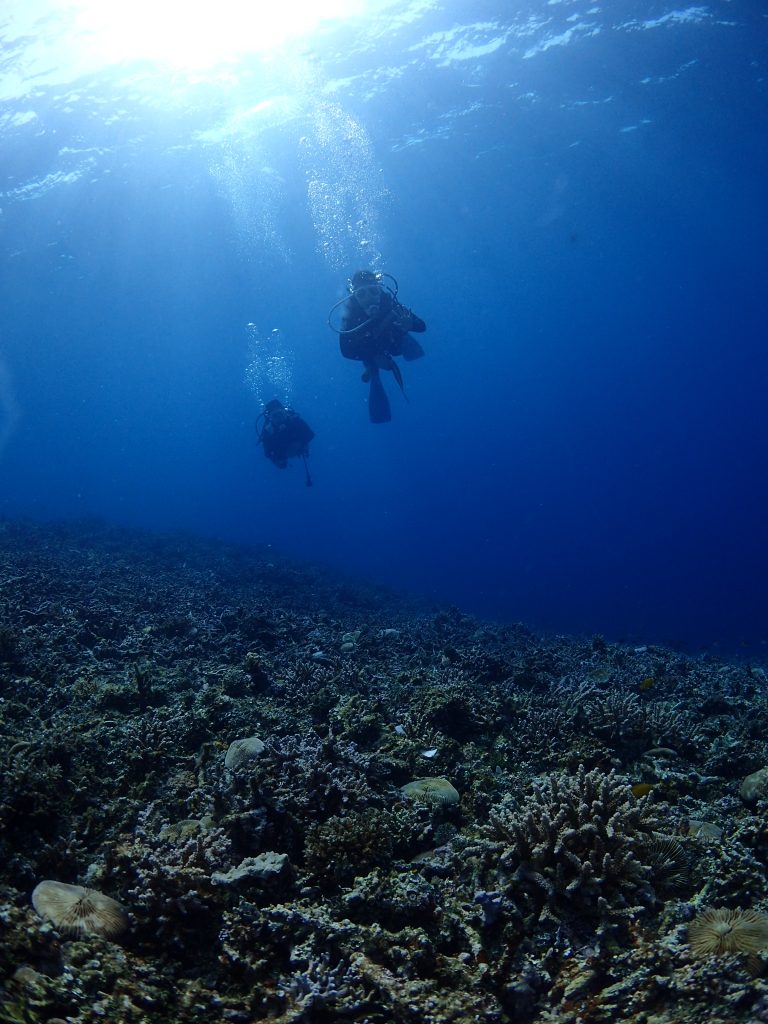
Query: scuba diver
374, 329
284, 435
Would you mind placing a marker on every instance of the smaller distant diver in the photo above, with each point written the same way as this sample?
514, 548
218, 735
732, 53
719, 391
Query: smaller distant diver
374, 329
284, 435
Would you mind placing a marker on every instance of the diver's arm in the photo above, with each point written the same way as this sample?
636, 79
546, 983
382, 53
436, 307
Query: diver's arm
407, 320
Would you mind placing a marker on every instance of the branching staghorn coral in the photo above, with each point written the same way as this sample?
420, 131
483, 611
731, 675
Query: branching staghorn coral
338, 849
578, 845
631, 724
165, 874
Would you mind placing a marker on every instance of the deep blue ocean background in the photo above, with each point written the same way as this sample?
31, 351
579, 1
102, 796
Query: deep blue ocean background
573, 195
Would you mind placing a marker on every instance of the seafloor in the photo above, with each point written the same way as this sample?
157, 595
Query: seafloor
585, 803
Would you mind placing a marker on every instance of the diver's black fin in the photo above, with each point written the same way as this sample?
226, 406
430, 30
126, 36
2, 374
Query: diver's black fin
397, 374
378, 403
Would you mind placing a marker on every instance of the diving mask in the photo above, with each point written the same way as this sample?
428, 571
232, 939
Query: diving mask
368, 296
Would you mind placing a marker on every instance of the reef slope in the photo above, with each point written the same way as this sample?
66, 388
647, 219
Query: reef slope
316, 800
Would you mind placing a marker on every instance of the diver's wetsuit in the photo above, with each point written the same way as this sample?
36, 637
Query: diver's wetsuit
285, 435
374, 341
387, 332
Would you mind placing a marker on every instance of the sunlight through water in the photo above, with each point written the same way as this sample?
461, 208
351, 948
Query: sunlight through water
84, 36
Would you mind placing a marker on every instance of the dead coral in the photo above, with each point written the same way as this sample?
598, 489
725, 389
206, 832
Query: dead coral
312, 778
730, 871
453, 706
166, 877
342, 847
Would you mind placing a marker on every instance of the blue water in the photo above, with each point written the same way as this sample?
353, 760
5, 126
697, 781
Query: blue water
573, 197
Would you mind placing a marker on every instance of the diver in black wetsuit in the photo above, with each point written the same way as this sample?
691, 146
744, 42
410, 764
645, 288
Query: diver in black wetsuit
284, 435
374, 329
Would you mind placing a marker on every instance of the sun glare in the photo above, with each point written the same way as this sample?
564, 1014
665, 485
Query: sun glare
199, 33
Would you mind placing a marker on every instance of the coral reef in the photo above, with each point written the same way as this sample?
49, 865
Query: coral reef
580, 846
314, 800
